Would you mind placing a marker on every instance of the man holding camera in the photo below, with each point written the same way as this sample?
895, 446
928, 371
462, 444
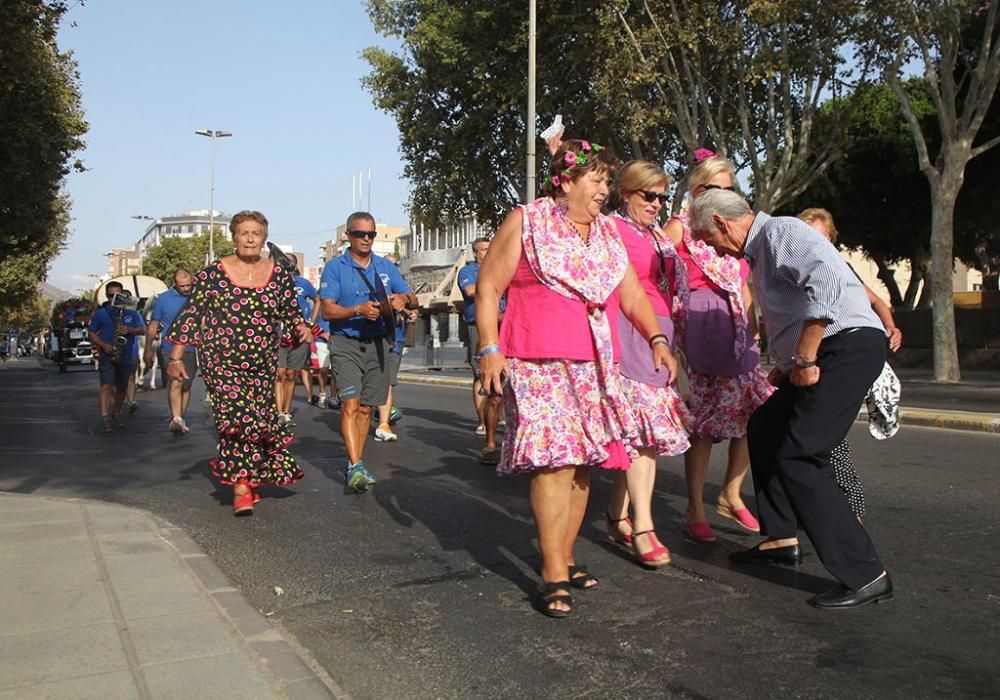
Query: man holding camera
113, 330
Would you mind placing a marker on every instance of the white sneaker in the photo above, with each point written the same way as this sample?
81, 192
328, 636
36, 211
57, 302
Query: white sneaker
384, 434
177, 426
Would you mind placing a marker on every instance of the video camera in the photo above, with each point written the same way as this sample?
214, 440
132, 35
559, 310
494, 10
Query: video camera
124, 300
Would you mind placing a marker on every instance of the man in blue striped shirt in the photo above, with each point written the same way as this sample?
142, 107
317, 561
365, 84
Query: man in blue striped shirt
829, 346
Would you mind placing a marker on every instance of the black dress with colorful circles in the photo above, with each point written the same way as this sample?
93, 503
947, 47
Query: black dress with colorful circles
237, 331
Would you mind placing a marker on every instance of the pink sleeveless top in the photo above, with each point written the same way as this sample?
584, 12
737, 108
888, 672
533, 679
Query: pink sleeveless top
642, 255
540, 324
698, 279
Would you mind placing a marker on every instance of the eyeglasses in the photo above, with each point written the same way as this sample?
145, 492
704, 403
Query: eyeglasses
652, 196
718, 187
362, 234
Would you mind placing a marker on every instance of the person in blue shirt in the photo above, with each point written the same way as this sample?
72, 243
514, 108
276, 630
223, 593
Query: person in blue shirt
293, 357
349, 288
487, 408
111, 327
387, 414
165, 309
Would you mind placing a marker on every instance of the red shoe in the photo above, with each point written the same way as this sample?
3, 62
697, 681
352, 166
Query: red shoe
742, 516
700, 532
256, 496
656, 557
243, 502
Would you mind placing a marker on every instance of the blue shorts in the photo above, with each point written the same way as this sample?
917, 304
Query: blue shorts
117, 373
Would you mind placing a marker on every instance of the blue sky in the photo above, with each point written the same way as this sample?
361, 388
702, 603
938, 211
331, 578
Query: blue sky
284, 77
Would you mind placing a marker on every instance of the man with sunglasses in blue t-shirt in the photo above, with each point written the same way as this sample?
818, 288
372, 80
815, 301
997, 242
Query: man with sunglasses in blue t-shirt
349, 291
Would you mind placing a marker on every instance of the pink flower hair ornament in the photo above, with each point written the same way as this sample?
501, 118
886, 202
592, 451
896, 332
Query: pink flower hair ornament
703, 154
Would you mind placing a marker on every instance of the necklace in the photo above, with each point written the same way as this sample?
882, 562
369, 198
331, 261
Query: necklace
251, 268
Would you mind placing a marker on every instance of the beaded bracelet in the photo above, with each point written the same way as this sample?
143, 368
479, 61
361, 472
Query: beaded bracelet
666, 340
488, 350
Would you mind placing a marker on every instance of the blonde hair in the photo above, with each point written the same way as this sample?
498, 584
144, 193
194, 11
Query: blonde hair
707, 169
819, 214
636, 176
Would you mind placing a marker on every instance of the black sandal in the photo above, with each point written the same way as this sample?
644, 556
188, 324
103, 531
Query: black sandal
582, 579
490, 456
550, 594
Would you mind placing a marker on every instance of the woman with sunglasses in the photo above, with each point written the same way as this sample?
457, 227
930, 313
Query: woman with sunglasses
660, 412
717, 332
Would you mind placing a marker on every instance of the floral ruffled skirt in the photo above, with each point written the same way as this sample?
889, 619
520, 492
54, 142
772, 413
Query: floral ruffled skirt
560, 415
662, 416
721, 406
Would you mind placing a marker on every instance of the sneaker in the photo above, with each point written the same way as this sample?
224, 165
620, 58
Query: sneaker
285, 420
177, 426
480, 429
313, 401
334, 402
133, 406
321, 401
384, 434
359, 478
395, 415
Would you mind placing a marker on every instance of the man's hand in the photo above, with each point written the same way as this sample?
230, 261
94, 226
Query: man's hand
303, 333
804, 376
369, 310
398, 302
774, 376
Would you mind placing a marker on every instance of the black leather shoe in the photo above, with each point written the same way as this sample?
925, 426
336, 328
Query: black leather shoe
843, 597
789, 555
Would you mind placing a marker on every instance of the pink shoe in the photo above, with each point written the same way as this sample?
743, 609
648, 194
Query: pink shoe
658, 556
614, 532
742, 516
700, 532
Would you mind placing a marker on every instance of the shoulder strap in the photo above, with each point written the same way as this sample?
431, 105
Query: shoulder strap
368, 284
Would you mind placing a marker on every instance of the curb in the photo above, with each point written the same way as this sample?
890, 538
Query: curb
923, 417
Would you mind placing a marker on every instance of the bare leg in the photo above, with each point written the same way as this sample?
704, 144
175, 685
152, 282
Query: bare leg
696, 462
185, 400
174, 400
579, 495
551, 504
478, 401
384, 410
306, 376
491, 413
354, 428
736, 471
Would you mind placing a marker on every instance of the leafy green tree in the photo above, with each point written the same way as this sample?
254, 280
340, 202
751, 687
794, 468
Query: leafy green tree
41, 127
457, 89
161, 261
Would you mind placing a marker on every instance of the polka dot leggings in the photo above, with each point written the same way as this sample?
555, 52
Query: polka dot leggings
847, 478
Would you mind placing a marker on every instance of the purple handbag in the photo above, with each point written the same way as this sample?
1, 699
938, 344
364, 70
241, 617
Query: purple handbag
637, 357
709, 336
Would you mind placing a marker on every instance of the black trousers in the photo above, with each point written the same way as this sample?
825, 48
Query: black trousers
791, 437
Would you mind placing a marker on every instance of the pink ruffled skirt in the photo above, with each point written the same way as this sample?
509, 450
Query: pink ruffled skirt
559, 414
663, 418
721, 406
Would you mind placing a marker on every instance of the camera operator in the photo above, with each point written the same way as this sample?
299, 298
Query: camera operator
113, 329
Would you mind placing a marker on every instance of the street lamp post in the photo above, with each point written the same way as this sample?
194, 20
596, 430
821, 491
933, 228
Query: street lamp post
529, 184
216, 134
140, 217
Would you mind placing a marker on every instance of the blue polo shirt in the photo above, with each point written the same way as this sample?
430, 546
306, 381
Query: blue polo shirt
165, 309
342, 283
306, 295
469, 274
103, 323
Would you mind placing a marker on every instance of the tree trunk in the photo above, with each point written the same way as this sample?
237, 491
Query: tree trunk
888, 277
918, 272
944, 192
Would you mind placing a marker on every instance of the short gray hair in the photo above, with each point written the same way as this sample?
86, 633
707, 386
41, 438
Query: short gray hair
729, 205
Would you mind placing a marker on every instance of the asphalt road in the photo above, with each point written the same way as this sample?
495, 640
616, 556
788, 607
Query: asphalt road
420, 589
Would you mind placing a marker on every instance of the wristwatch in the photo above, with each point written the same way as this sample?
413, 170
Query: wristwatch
802, 362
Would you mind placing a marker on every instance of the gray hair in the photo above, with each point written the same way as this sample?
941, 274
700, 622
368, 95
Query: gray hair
729, 205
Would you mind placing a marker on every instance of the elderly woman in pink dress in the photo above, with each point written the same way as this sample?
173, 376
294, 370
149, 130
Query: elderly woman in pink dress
660, 412
566, 274
726, 382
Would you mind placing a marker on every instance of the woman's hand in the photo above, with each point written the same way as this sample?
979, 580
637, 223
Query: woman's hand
303, 333
493, 373
664, 359
175, 369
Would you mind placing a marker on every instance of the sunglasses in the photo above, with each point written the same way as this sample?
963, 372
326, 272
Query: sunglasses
363, 234
650, 197
718, 187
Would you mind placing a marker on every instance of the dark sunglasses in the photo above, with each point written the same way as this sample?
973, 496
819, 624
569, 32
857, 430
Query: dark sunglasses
718, 187
363, 234
652, 196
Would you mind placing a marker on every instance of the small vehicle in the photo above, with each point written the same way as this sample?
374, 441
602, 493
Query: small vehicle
70, 338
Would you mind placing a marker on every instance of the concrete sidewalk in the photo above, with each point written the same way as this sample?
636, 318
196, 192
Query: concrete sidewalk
103, 601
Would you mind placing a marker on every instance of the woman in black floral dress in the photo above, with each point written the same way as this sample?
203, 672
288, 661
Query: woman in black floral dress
236, 313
